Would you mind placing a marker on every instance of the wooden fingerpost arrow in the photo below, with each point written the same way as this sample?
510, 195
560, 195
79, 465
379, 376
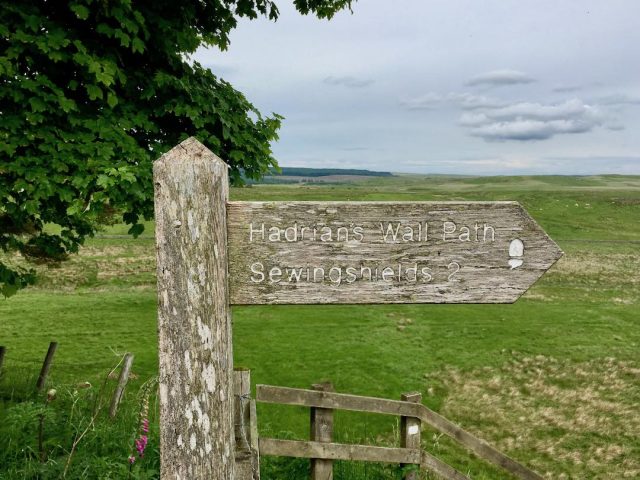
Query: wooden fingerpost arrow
384, 252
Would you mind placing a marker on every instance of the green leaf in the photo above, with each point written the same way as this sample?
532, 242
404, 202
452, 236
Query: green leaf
137, 45
81, 11
73, 209
94, 92
136, 230
104, 181
112, 99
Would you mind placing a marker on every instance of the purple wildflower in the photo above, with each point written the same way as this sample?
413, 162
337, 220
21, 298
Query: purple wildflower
141, 442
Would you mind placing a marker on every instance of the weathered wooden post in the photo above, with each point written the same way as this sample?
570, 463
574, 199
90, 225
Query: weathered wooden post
410, 432
46, 365
321, 431
194, 321
122, 383
246, 433
3, 350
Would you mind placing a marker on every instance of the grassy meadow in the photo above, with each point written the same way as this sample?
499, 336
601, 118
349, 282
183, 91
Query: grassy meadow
553, 380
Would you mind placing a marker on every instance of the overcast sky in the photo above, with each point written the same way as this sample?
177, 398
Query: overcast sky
448, 86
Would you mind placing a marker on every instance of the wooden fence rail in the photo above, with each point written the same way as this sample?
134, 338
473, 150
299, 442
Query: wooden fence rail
322, 400
407, 409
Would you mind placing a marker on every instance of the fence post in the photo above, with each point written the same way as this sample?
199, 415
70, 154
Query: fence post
246, 432
3, 350
194, 319
321, 431
122, 382
410, 430
46, 365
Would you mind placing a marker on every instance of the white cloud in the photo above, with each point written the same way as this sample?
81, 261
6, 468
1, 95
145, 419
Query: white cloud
500, 78
494, 119
531, 121
469, 101
528, 129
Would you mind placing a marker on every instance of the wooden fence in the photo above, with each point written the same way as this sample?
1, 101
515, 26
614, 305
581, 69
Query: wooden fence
321, 449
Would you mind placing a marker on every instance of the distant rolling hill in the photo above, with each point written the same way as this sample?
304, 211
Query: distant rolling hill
320, 175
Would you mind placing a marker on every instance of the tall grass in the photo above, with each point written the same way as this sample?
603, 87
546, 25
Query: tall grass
66, 432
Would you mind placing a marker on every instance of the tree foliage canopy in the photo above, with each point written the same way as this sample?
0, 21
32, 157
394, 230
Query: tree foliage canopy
91, 92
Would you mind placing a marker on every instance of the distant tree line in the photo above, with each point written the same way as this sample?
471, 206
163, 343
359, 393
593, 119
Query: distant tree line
323, 172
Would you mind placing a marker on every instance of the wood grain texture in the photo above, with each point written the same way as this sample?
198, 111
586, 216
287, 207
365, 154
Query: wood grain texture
246, 428
382, 252
363, 453
410, 430
443, 470
336, 401
321, 430
338, 451
123, 378
46, 365
196, 362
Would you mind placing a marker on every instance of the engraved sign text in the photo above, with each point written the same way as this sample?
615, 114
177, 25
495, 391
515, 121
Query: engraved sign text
379, 252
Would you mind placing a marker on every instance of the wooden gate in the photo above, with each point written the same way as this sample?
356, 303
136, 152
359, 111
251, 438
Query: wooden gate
321, 449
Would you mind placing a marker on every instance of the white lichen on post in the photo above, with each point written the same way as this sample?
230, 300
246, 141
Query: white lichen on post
194, 322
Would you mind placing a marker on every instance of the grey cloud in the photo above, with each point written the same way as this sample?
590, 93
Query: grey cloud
531, 121
469, 101
424, 102
619, 99
500, 78
466, 101
348, 81
525, 130
567, 89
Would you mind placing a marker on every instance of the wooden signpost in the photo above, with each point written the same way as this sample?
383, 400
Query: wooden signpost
384, 252
213, 253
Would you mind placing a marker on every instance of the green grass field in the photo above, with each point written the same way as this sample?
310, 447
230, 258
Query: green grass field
553, 380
